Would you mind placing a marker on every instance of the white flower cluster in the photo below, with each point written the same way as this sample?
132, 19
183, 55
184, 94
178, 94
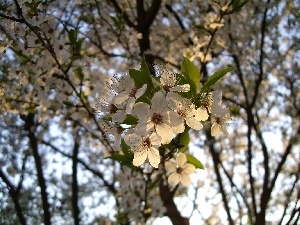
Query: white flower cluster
159, 119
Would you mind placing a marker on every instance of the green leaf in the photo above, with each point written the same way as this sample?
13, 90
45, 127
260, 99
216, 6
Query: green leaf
193, 160
142, 77
78, 73
79, 44
191, 74
68, 104
213, 79
130, 120
118, 21
122, 159
237, 5
72, 34
184, 140
125, 148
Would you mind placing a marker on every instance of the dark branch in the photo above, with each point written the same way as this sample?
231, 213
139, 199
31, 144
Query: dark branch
75, 207
30, 127
110, 187
14, 194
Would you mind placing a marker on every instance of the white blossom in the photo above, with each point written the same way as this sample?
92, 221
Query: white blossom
169, 82
205, 108
144, 145
180, 170
115, 130
117, 112
186, 110
158, 118
219, 119
126, 92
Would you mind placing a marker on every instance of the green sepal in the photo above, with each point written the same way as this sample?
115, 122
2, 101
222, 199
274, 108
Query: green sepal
213, 79
193, 160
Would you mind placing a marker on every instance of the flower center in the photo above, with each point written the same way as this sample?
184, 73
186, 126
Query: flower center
132, 93
179, 170
181, 112
218, 120
206, 103
146, 143
119, 130
157, 118
167, 87
112, 109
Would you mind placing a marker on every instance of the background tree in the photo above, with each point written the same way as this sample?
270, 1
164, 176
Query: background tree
60, 56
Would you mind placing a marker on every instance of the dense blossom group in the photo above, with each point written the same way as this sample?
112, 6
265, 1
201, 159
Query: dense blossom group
159, 119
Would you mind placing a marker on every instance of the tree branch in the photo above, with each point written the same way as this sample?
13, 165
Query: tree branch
75, 207
110, 187
216, 161
172, 212
14, 194
30, 127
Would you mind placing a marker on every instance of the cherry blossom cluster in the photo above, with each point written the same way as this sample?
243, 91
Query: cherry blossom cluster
147, 124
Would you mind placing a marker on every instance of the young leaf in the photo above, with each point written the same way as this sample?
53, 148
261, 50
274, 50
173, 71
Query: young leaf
191, 74
142, 77
72, 34
193, 160
78, 73
213, 79
237, 5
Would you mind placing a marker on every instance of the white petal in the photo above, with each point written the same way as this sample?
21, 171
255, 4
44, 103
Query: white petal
174, 118
181, 159
133, 140
141, 91
217, 97
153, 156
158, 103
185, 179
179, 128
130, 105
193, 123
144, 128
170, 166
141, 110
181, 88
155, 139
140, 157
215, 130
174, 179
189, 168
173, 100
117, 144
201, 114
217, 110
119, 116
224, 129
120, 98
165, 132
